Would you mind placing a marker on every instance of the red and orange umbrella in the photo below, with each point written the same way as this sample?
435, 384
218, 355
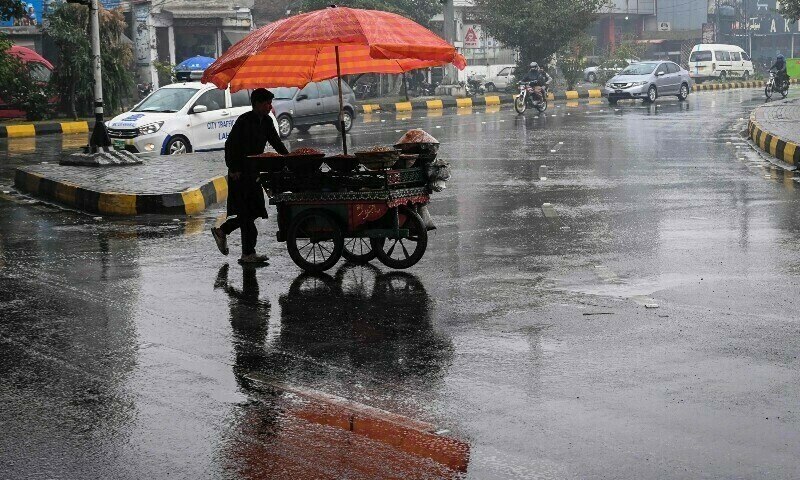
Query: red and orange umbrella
328, 43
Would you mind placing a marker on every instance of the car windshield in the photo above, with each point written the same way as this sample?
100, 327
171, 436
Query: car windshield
284, 93
639, 69
166, 100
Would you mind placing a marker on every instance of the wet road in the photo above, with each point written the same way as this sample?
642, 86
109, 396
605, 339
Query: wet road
128, 349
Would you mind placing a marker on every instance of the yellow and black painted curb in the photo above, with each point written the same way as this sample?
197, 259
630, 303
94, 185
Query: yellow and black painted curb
781, 149
449, 102
189, 201
452, 102
732, 85
35, 130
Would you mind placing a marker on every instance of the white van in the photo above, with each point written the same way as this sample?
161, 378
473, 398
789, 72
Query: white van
180, 118
712, 60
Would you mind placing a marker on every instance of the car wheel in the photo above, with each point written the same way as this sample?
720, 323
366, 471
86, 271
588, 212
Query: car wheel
347, 116
178, 146
592, 77
723, 76
303, 128
285, 125
746, 76
684, 94
652, 94
490, 87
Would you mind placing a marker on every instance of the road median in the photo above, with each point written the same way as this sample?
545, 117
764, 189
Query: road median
773, 128
158, 186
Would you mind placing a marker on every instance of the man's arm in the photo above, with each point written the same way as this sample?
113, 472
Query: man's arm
274, 138
233, 147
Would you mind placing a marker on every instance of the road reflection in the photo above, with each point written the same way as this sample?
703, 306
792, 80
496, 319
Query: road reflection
373, 324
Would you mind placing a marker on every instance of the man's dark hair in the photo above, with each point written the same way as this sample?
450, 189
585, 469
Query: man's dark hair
261, 95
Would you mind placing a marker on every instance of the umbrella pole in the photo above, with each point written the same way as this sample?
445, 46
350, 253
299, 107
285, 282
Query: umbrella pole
341, 102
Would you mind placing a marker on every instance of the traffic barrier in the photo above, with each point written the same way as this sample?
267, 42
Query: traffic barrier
190, 201
35, 130
779, 148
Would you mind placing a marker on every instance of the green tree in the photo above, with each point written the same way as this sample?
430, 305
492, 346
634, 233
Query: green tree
69, 30
790, 9
19, 87
537, 28
572, 58
10, 9
421, 11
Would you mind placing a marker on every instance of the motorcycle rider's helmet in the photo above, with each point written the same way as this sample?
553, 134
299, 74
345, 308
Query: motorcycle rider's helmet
781, 57
534, 65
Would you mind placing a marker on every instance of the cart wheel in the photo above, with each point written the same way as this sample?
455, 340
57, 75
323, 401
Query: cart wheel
403, 252
315, 241
358, 251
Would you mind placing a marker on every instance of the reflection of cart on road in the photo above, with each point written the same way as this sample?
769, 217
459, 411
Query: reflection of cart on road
353, 211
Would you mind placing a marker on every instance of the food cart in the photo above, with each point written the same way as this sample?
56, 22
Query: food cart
370, 205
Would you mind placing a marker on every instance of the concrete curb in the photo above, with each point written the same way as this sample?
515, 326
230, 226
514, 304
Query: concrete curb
187, 202
734, 85
446, 102
35, 130
449, 102
781, 149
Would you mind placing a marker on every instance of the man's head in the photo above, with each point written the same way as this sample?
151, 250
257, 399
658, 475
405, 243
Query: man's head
534, 66
781, 57
261, 98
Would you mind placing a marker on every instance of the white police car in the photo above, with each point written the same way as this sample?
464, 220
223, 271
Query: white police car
180, 118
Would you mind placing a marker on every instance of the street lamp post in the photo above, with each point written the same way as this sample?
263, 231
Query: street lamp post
99, 139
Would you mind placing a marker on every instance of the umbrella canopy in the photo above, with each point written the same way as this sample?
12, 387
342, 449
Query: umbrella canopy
195, 63
295, 51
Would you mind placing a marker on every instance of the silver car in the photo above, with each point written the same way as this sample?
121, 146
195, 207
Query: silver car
316, 104
648, 81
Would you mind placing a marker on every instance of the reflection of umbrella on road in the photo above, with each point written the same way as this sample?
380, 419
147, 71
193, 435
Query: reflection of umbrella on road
184, 70
328, 43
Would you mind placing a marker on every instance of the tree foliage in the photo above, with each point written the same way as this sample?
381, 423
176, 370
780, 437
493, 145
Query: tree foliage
790, 9
537, 28
572, 58
20, 88
74, 78
421, 11
10, 9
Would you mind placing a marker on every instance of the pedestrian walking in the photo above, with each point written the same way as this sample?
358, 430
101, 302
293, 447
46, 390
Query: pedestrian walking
249, 136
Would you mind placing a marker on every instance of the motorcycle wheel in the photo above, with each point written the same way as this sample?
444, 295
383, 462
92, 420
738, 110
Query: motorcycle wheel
520, 104
768, 90
542, 106
785, 90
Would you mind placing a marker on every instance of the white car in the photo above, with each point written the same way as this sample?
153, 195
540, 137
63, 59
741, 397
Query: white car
502, 80
180, 118
612, 67
716, 61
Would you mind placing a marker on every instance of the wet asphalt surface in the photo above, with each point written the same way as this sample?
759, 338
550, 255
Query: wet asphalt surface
129, 348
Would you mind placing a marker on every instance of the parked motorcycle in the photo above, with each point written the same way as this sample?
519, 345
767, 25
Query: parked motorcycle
771, 87
366, 90
475, 86
531, 95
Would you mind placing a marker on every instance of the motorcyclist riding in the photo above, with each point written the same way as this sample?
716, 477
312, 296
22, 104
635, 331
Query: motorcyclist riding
780, 70
537, 77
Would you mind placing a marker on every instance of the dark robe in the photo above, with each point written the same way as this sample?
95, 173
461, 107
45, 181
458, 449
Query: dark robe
249, 136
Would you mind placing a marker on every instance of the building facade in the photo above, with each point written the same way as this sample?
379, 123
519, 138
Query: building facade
170, 32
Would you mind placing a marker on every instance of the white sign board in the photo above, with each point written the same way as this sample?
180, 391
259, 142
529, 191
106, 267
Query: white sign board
472, 36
